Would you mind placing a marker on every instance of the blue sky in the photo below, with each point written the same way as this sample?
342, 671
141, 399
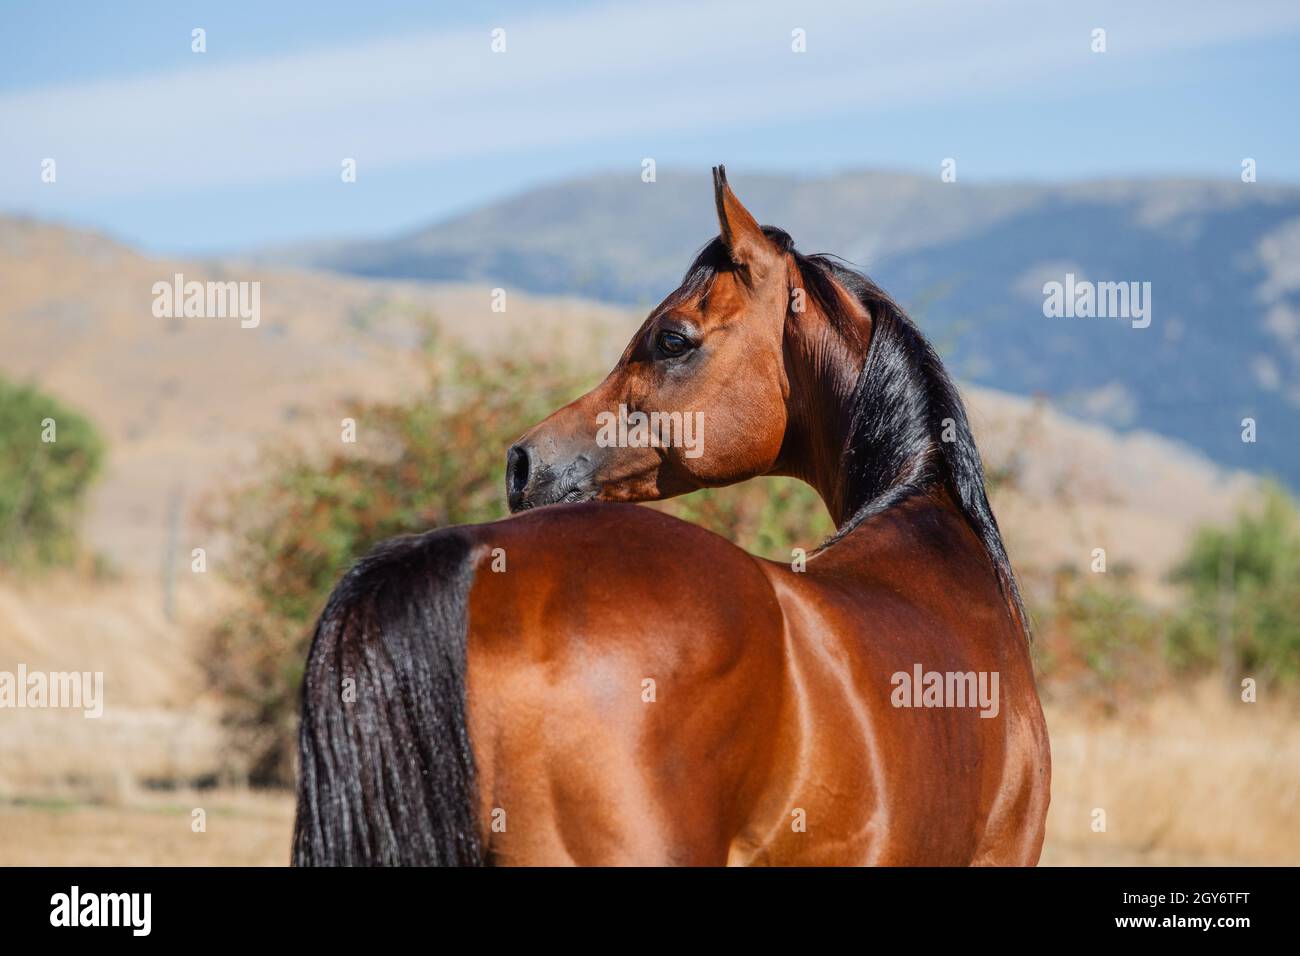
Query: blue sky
241, 146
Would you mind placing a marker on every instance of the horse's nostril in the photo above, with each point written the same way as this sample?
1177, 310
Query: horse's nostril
516, 469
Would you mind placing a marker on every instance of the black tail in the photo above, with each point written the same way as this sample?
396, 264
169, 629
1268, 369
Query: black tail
386, 773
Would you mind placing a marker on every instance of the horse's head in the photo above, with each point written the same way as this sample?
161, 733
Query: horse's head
702, 395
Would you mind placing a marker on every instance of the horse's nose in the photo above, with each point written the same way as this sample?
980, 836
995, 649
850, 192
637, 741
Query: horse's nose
518, 471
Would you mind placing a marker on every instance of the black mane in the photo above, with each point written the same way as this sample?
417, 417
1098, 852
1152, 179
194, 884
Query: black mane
901, 407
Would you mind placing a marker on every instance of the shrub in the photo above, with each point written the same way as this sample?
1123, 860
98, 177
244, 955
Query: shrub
1096, 640
42, 483
1243, 595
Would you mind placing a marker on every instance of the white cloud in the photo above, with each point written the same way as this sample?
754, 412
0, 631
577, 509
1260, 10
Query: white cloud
576, 76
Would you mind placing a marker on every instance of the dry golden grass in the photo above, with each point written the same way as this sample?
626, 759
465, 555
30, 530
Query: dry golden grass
242, 829
1190, 779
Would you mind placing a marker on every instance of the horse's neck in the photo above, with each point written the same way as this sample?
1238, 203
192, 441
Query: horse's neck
873, 451
816, 457
862, 448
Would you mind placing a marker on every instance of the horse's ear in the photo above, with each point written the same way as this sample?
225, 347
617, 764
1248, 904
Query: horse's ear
741, 233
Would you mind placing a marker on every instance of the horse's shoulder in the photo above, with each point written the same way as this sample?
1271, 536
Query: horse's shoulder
625, 573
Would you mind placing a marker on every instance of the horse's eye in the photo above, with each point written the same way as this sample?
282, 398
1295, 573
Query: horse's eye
672, 344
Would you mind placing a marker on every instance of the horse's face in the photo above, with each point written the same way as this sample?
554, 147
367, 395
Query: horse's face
697, 399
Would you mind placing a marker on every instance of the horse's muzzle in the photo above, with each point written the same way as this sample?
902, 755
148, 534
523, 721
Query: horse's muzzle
534, 483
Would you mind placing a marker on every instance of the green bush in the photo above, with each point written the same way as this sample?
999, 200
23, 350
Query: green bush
1096, 640
1243, 583
42, 482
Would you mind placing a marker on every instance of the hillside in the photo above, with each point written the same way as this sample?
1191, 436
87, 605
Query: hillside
185, 404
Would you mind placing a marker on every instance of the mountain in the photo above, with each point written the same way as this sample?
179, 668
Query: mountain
970, 261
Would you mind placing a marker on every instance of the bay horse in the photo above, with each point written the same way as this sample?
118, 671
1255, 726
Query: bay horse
592, 682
